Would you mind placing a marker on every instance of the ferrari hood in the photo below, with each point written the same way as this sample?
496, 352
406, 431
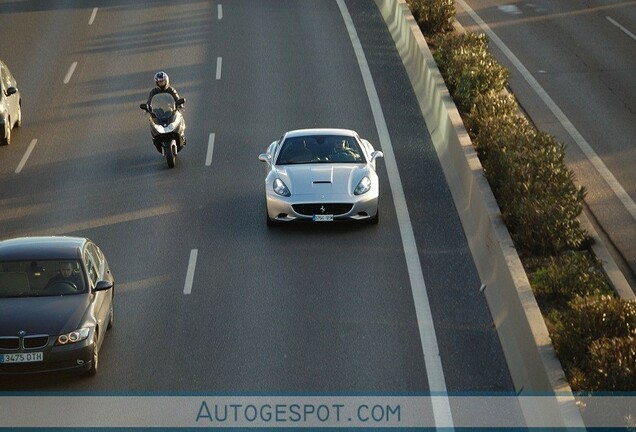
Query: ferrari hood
322, 179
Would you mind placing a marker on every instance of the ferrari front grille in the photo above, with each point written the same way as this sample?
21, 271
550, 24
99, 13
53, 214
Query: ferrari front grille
322, 208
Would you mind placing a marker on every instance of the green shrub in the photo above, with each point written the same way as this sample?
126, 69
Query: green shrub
449, 44
491, 108
525, 168
544, 201
577, 379
468, 68
535, 190
612, 365
496, 135
589, 319
565, 276
433, 16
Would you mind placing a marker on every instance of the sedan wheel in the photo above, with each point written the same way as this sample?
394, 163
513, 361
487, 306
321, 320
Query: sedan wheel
95, 359
111, 315
18, 123
7, 133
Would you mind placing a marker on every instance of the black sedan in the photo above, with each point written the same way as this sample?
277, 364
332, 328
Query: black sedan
56, 303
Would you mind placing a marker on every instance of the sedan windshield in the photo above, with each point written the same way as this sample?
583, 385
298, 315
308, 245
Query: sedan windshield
320, 149
41, 278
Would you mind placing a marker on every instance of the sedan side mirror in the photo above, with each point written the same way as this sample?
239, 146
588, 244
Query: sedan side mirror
180, 102
10, 91
103, 285
144, 107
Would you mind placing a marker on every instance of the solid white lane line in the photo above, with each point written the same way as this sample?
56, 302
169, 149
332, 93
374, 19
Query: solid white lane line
627, 32
192, 263
208, 157
69, 74
219, 63
428, 339
93, 15
585, 147
26, 156
220, 11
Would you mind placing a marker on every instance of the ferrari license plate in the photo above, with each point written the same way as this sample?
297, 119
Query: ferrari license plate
323, 218
22, 357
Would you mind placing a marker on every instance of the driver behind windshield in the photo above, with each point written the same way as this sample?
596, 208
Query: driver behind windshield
67, 274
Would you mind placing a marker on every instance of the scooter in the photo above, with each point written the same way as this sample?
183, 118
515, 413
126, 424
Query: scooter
167, 125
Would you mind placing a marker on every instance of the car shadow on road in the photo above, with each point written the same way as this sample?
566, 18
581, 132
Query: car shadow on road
319, 228
37, 382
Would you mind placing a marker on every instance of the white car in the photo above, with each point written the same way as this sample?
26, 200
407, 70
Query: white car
10, 105
321, 175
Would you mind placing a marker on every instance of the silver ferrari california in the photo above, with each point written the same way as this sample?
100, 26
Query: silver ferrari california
321, 175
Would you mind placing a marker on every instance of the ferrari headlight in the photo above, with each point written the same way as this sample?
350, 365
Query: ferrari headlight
73, 337
280, 188
363, 187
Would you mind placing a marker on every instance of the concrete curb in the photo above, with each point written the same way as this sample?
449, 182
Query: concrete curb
524, 337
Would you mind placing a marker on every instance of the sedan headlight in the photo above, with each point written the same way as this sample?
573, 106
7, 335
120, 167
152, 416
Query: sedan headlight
280, 188
363, 187
73, 337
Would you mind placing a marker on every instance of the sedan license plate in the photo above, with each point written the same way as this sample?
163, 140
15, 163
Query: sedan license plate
323, 218
22, 357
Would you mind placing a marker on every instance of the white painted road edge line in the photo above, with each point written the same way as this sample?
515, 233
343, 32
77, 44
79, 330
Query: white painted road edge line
92, 18
208, 157
192, 263
627, 32
220, 11
432, 360
26, 156
69, 74
219, 62
596, 161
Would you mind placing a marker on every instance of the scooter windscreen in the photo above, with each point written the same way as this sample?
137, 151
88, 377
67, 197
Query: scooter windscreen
163, 107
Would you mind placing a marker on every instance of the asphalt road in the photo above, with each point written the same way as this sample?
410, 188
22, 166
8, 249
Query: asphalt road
583, 55
308, 308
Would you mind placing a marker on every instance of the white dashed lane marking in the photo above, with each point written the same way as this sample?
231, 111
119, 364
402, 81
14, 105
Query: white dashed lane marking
92, 18
69, 74
192, 263
208, 158
26, 156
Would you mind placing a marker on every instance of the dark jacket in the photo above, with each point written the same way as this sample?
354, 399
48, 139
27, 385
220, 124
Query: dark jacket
168, 89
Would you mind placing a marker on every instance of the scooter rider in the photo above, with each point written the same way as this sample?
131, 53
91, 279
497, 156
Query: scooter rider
162, 82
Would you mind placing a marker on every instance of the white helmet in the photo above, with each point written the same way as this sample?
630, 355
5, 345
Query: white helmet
162, 80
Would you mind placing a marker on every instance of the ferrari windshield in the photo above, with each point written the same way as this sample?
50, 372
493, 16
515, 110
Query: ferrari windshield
163, 107
41, 278
320, 149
